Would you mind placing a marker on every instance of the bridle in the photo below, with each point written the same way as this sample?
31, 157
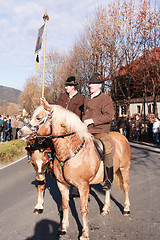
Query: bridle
35, 130
47, 165
41, 139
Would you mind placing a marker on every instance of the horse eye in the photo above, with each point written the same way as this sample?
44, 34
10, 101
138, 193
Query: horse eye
38, 118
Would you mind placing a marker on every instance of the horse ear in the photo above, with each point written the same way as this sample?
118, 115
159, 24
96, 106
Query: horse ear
29, 149
45, 104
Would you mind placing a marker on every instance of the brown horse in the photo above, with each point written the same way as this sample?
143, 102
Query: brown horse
40, 156
77, 162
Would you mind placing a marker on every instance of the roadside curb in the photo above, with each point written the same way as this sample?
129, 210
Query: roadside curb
9, 164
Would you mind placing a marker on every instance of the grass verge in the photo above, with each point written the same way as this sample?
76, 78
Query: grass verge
10, 151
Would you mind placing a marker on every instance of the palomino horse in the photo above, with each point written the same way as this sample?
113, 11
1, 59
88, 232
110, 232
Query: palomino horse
41, 158
76, 161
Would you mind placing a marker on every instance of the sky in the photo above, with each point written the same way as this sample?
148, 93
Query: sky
19, 23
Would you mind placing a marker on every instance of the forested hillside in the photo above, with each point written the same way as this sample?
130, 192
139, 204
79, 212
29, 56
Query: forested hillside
8, 95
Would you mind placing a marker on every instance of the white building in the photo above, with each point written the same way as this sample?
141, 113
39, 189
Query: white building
137, 106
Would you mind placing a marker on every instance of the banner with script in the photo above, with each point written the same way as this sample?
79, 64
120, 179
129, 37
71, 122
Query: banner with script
39, 39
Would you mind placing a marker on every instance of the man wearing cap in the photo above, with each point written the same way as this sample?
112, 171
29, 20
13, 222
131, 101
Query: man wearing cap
71, 99
98, 114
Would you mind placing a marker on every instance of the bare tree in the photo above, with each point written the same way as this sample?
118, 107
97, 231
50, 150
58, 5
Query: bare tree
112, 43
12, 109
30, 97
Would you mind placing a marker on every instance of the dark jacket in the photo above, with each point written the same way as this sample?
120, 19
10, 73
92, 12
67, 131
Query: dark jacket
121, 123
100, 109
75, 104
5, 126
138, 124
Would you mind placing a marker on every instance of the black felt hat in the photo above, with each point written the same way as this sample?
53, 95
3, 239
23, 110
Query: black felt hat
71, 81
96, 78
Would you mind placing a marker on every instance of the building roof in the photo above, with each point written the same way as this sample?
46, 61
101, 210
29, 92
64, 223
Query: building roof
147, 60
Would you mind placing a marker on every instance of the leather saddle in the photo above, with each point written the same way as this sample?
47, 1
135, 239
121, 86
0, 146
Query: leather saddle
100, 147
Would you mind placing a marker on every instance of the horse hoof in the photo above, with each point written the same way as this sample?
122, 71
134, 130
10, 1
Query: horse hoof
84, 238
38, 211
62, 233
126, 213
105, 212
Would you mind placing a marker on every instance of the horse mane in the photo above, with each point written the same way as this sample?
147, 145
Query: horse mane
71, 120
68, 118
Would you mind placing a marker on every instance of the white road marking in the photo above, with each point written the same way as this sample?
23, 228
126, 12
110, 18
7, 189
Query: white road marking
13, 162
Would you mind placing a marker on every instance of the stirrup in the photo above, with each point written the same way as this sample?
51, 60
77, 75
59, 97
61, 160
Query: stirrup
107, 185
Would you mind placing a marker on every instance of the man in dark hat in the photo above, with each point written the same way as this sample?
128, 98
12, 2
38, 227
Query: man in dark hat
71, 99
98, 114
74, 102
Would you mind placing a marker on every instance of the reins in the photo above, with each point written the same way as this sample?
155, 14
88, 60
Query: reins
61, 163
34, 130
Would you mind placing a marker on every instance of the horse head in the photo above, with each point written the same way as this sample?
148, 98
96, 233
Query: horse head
41, 160
59, 122
31, 128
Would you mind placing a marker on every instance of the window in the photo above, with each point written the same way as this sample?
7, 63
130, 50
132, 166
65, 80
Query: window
123, 110
138, 109
149, 109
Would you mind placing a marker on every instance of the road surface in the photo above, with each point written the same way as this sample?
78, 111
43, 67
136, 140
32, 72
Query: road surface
18, 196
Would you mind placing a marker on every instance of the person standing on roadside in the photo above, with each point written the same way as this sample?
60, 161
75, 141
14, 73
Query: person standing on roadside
4, 129
9, 129
1, 128
137, 127
121, 125
20, 124
14, 126
156, 129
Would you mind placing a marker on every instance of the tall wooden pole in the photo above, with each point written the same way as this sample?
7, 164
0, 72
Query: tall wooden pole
44, 58
45, 18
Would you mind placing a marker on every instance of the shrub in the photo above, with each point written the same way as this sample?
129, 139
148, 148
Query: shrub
9, 151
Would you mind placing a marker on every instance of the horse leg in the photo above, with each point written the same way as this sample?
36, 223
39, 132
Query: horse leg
84, 194
39, 206
125, 175
107, 203
65, 204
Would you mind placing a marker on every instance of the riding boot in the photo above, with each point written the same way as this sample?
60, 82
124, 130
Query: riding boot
108, 172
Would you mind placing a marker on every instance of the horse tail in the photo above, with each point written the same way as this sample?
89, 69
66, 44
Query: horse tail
118, 179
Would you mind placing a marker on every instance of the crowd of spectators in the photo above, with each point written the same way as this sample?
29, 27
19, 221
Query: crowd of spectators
134, 127
9, 126
131, 128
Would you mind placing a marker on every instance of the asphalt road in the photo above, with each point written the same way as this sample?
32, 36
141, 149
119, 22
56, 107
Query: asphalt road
18, 196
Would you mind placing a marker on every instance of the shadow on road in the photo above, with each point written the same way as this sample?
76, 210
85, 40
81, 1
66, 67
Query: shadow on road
45, 230
52, 187
48, 228
98, 188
